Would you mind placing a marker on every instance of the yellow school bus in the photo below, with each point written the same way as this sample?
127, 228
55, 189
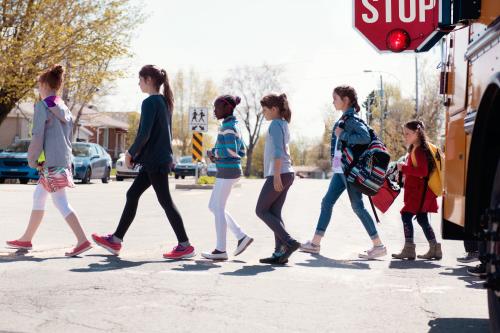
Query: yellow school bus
469, 33
470, 85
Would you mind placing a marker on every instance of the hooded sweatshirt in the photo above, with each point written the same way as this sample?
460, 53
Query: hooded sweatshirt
52, 133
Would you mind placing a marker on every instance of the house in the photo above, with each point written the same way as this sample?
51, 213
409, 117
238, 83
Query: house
94, 126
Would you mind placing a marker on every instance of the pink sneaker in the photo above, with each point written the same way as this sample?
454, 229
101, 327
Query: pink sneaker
107, 243
15, 244
180, 252
79, 249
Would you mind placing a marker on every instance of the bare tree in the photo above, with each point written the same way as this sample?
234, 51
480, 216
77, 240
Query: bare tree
251, 84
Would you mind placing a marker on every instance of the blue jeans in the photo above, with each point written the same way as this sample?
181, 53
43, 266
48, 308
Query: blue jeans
336, 188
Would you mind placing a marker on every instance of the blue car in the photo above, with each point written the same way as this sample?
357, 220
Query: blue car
91, 161
14, 163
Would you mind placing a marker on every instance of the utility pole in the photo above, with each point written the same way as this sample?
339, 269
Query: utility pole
416, 87
382, 108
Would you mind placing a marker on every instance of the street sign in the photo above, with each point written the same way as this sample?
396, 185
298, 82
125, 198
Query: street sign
197, 147
198, 119
397, 25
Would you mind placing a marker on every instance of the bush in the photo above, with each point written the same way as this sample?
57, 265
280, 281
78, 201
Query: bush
206, 180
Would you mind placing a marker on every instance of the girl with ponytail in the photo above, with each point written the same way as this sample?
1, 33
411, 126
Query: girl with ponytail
279, 176
419, 200
227, 154
152, 149
348, 131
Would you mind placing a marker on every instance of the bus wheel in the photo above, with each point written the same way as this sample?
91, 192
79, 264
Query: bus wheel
493, 250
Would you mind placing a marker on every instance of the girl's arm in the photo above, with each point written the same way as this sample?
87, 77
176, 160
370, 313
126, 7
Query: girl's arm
355, 132
421, 170
37, 135
228, 144
278, 185
145, 127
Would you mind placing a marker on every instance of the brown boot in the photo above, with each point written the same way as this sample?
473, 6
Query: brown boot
433, 253
408, 252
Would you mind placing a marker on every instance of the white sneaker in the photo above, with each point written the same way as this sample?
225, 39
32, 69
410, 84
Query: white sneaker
242, 245
374, 252
310, 247
214, 256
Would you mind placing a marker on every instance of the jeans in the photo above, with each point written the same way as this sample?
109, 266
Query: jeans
337, 186
423, 220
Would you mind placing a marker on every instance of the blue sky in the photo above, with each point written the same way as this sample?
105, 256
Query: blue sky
313, 39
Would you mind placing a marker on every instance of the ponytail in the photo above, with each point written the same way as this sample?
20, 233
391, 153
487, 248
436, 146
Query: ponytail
279, 101
167, 91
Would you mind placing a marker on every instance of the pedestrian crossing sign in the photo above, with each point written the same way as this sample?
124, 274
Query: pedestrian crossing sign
198, 119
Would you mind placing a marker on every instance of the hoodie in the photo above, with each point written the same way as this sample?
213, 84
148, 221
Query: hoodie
52, 133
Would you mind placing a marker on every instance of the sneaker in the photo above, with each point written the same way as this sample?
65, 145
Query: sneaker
107, 243
310, 247
273, 260
242, 245
15, 244
478, 271
469, 257
290, 248
374, 252
79, 249
214, 255
180, 252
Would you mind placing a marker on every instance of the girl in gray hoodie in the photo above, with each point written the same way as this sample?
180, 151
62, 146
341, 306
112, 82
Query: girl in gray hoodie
52, 135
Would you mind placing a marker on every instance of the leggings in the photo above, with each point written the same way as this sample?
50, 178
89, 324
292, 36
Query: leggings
269, 208
223, 219
141, 183
423, 220
59, 198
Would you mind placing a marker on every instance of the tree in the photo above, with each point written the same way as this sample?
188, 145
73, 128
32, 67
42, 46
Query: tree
85, 36
190, 91
251, 84
133, 126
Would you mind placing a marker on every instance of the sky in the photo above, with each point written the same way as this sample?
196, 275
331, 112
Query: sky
313, 39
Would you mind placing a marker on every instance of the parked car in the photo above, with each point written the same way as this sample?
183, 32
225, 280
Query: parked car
91, 161
14, 163
211, 170
186, 167
123, 172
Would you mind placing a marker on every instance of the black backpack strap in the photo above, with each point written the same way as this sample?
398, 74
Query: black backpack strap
373, 208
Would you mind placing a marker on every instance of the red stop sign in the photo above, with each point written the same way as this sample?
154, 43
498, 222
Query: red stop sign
396, 25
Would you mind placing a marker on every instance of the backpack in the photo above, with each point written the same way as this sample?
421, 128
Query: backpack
435, 181
367, 172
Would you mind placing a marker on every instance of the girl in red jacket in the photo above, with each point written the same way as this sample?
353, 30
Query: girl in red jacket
419, 200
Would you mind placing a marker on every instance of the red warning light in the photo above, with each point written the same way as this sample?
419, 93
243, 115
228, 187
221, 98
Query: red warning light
398, 40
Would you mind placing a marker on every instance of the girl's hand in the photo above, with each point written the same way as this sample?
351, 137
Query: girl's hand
338, 132
128, 160
278, 185
211, 156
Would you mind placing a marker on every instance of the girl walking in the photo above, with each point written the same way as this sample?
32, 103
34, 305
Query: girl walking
52, 134
419, 200
279, 177
226, 154
351, 132
152, 149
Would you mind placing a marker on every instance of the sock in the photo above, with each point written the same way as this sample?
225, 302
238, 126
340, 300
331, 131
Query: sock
185, 244
116, 239
409, 241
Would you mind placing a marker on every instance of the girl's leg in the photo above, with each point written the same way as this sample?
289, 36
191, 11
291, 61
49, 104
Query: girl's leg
217, 206
61, 202
337, 186
268, 196
231, 223
407, 226
160, 185
39, 200
358, 207
276, 209
423, 220
141, 183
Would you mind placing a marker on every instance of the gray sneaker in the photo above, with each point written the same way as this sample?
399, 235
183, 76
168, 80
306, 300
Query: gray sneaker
310, 247
374, 252
469, 257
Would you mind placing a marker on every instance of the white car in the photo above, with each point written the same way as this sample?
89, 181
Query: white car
123, 172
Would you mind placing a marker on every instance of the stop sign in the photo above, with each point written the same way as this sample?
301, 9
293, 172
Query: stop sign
396, 25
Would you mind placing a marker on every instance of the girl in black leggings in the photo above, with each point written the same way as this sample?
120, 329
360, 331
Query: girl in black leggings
152, 149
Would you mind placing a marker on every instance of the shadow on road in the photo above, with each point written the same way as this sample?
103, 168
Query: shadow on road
409, 264
458, 325
23, 255
200, 265
112, 263
320, 261
461, 273
252, 270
